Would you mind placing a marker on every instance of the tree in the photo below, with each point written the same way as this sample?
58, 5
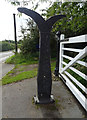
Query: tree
6, 45
30, 38
75, 22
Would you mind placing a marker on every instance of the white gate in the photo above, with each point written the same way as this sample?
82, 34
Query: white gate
66, 68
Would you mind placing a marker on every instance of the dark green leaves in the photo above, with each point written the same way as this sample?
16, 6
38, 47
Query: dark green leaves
75, 22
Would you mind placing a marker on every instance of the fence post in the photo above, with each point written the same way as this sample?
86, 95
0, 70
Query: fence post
61, 53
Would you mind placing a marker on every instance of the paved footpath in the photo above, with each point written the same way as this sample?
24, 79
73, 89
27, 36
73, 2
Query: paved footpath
5, 68
17, 102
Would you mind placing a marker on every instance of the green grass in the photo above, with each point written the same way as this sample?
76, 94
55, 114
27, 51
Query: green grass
21, 76
19, 72
12, 76
22, 59
19, 60
16, 69
53, 64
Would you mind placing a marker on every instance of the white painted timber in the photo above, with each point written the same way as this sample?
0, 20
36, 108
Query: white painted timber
77, 39
79, 73
67, 57
79, 62
82, 63
81, 54
76, 71
64, 63
76, 81
72, 78
80, 97
77, 59
61, 58
72, 49
62, 36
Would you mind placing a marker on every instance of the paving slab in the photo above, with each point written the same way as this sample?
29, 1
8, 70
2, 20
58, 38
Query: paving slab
6, 68
17, 102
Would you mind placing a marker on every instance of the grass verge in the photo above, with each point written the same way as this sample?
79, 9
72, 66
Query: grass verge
20, 72
22, 59
21, 76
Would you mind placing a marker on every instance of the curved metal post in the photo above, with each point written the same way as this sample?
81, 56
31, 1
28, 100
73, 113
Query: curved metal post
44, 79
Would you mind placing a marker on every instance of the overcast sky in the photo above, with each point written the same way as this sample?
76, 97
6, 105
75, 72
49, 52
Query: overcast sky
6, 19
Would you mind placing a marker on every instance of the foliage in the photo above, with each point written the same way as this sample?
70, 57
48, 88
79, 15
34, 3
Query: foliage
22, 59
85, 59
21, 76
27, 2
75, 22
20, 73
6, 46
33, 4
30, 42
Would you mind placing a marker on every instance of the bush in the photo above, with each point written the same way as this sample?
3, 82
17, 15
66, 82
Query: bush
23, 59
30, 43
5, 46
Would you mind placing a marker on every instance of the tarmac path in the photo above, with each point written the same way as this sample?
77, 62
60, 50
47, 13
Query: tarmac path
4, 68
17, 100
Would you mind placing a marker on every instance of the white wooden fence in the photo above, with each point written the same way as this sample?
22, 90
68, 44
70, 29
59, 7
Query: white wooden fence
64, 67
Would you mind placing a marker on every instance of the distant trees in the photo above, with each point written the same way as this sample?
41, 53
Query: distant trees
7, 45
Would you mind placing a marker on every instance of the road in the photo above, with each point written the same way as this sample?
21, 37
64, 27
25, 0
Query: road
5, 68
5, 55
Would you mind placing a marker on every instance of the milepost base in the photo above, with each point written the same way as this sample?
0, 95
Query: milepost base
44, 101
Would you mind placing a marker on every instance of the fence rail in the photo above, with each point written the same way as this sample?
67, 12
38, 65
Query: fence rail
76, 82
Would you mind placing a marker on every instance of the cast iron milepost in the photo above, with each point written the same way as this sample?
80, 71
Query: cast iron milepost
44, 78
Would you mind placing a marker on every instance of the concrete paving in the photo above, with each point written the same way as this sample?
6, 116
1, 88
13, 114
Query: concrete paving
5, 55
17, 102
5, 68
